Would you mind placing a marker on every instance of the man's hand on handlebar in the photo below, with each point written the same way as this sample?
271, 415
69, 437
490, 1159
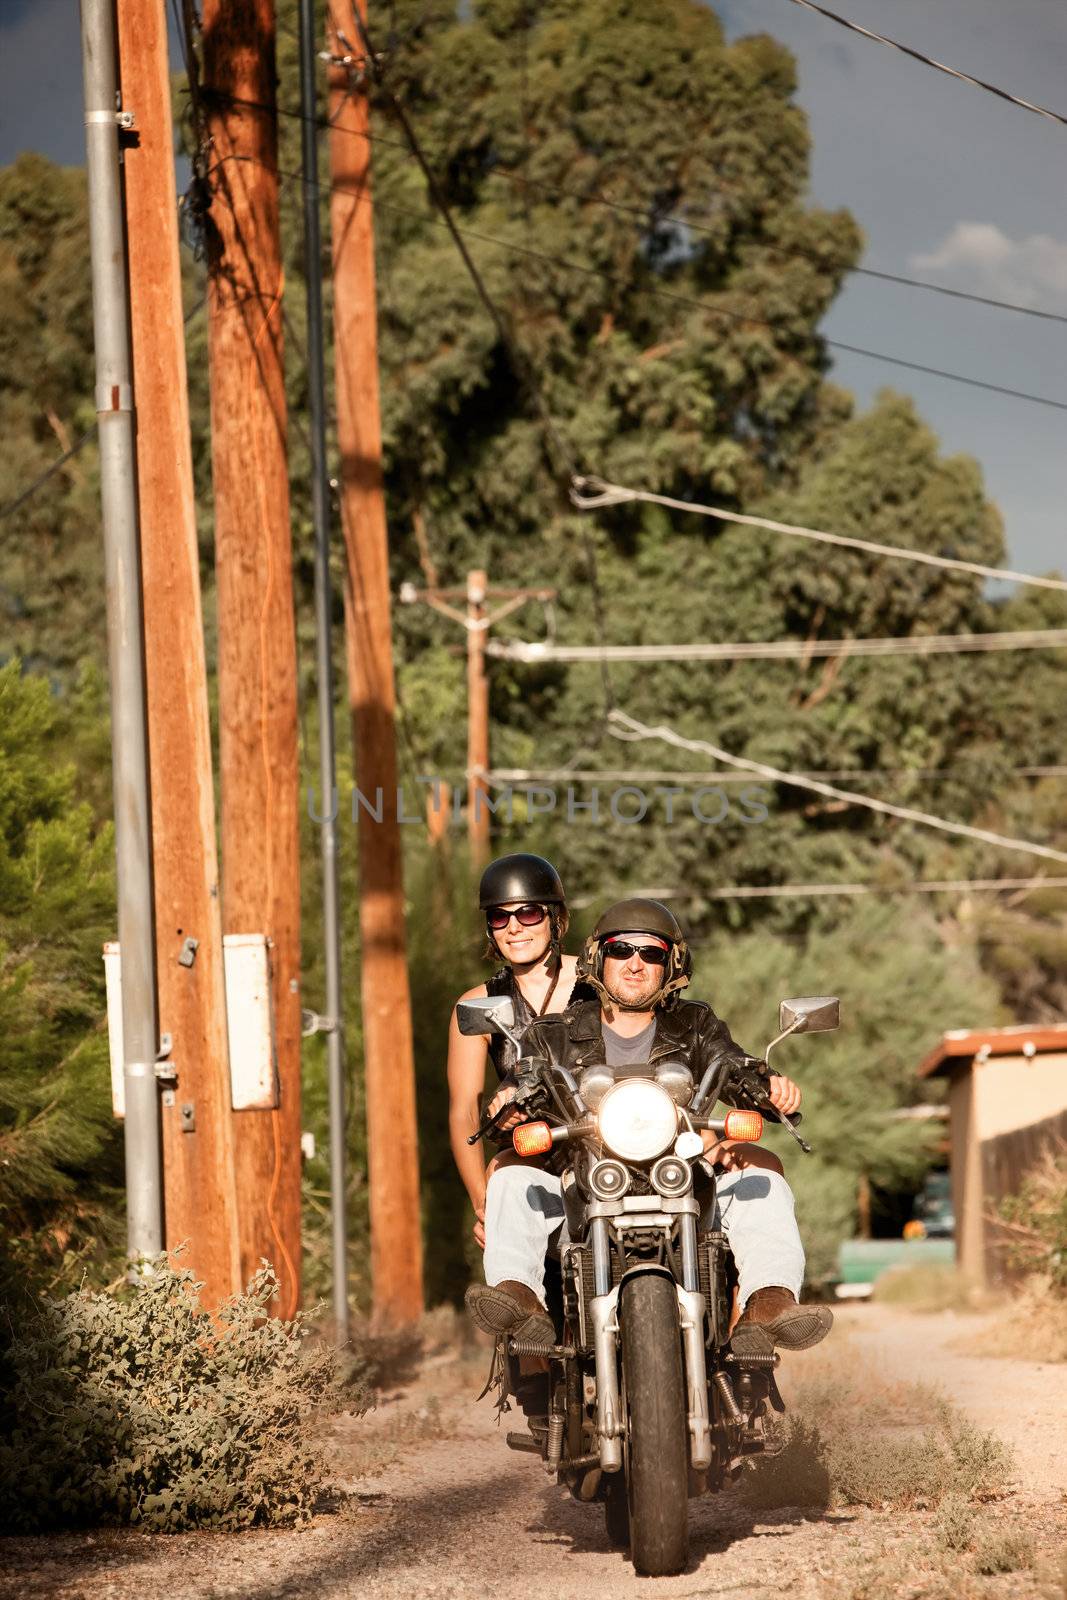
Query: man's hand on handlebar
784, 1095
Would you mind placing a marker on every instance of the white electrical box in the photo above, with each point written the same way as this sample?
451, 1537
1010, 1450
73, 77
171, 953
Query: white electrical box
249, 1023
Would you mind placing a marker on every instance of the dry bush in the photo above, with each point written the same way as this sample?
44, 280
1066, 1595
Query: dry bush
143, 1408
1032, 1224
929, 1288
1006, 1550
852, 1440
955, 1523
1035, 1328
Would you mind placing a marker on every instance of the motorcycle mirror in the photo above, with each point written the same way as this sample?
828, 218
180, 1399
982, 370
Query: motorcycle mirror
817, 1013
489, 1014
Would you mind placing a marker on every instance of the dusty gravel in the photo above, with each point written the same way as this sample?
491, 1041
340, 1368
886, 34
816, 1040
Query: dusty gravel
451, 1512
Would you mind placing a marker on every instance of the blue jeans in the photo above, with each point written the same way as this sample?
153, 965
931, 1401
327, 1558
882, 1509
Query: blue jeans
524, 1220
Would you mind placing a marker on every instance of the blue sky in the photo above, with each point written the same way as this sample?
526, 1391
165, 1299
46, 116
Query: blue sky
948, 183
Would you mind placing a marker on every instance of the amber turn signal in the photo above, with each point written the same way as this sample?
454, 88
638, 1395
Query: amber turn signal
743, 1125
532, 1139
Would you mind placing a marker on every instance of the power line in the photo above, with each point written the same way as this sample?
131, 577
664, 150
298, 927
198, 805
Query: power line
9, 508
928, 61
629, 729
693, 302
784, 649
795, 891
506, 775
612, 494
646, 215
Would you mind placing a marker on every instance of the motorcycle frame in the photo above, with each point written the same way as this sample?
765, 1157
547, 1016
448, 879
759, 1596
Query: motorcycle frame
653, 1213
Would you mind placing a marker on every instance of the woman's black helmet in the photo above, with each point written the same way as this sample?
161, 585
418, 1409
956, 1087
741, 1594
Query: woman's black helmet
525, 877
637, 916
520, 877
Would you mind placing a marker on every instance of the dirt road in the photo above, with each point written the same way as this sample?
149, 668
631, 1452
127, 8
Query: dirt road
450, 1512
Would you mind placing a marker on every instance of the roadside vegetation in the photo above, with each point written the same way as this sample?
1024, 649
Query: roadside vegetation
1030, 1228
140, 1408
658, 379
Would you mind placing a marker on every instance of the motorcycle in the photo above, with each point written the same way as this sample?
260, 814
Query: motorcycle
647, 1405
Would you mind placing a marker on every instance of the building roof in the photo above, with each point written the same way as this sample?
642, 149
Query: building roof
961, 1045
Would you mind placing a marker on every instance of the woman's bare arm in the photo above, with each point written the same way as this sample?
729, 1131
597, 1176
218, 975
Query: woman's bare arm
466, 1079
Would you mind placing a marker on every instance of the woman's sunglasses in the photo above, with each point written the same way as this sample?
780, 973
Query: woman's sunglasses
653, 955
528, 916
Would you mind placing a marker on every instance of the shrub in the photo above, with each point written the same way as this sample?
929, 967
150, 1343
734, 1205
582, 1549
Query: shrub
1033, 1223
1009, 1551
930, 1287
144, 1409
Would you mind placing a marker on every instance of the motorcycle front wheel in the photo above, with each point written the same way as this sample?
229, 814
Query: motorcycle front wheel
657, 1424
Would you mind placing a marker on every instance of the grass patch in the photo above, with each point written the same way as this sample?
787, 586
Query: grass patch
929, 1288
1035, 1329
853, 1440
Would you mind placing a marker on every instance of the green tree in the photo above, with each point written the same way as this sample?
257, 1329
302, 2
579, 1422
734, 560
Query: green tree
60, 1145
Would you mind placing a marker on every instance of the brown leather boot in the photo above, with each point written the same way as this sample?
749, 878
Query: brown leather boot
773, 1317
510, 1309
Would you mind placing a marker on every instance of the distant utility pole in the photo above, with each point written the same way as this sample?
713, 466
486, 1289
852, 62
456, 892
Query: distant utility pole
253, 560
201, 1199
477, 722
477, 622
118, 477
388, 1050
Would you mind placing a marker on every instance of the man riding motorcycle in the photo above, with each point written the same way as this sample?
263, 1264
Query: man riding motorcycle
637, 961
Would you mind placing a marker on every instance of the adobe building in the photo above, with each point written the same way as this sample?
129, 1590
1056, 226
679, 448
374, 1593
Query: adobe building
1007, 1096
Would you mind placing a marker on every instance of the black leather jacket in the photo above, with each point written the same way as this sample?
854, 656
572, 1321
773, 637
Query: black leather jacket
688, 1031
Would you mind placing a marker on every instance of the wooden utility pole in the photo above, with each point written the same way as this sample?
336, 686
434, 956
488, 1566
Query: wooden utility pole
477, 722
198, 1167
388, 1050
477, 622
253, 560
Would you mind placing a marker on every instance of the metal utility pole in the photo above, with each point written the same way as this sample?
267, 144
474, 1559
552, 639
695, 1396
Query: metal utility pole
253, 561
320, 513
477, 722
133, 846
392, 1141
201, 1199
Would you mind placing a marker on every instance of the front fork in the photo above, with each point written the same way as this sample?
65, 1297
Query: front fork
604, 1308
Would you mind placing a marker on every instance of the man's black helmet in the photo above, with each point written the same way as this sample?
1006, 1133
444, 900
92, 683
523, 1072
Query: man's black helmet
637, 916
640, 916
520, 877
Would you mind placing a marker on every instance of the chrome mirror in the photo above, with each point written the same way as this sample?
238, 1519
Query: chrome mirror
488, 1014
817, 1013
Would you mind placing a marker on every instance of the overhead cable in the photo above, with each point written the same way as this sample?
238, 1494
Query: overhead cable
629, 729
671, 296
928, 61
934, 644
804, 891
504, 775
605, 494
647, 214
9, 508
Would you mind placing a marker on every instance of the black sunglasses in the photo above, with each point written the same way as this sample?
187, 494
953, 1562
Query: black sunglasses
653, 955
528, 916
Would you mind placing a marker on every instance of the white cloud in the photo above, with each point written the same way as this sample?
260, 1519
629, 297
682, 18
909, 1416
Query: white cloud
981, 258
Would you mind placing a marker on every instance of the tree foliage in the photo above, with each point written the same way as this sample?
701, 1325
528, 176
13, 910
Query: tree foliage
633, 189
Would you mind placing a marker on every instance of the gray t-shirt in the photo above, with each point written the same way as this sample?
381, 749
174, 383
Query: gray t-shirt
622, 1052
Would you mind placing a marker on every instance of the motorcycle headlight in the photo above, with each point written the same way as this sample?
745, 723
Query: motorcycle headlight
637, 1120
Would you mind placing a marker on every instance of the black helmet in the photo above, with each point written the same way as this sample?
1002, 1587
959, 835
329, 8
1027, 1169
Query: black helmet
637, 916
520, 877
